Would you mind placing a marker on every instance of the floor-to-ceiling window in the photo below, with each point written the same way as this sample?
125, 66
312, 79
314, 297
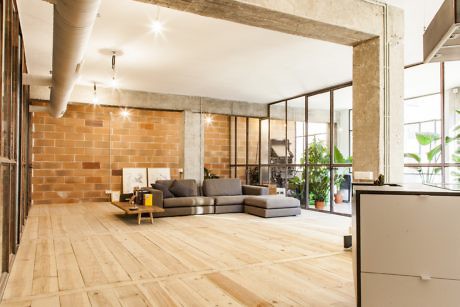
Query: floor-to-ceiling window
14, 137
431, 123
309, 142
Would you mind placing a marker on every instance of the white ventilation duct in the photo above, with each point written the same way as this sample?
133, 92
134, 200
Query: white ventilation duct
73, 24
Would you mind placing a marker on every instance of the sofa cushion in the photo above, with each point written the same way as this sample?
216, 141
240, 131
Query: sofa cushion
191, 183
272, 202
164, 189
222, 187
181, 190
195, 201
229, 200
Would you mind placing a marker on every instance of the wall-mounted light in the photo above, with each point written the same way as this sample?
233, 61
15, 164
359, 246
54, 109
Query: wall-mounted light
124, 113
208, 119
95, 99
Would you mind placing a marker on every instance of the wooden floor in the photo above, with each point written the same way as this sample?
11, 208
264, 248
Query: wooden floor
91, 255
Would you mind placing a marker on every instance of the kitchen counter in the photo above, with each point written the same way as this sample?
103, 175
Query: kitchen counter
406, 245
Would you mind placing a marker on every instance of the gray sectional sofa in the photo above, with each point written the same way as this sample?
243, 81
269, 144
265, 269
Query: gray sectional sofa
220, 196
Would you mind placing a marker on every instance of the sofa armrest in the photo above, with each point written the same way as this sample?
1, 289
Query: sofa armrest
254, 190
157, 197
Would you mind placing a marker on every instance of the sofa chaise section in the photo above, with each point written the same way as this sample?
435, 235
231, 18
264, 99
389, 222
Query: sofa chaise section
272, 206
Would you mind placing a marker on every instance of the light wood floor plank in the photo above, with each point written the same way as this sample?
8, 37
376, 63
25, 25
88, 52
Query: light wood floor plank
104, 298
73, 300
90, 255
69, 276
45, 278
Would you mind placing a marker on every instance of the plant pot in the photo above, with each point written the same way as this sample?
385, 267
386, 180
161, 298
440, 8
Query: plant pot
319, 204
338, 198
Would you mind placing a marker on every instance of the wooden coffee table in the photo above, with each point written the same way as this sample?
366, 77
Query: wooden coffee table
130, 209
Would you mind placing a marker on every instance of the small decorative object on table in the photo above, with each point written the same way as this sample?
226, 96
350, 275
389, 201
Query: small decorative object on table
380, 181
148, 200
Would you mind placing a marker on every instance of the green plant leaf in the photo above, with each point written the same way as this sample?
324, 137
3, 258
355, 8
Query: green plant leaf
413, 156
433, 153
426, 138
451, 139
338, 156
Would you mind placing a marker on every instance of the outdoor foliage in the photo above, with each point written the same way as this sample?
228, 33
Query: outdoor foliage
433, 155
318, 184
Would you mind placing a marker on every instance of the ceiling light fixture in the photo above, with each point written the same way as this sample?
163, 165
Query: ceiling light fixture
157, 25
95, 99
114, 76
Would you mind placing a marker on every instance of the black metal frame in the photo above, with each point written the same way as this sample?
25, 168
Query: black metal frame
331, 165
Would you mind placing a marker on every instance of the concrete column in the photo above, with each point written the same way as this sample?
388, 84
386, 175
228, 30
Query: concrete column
368, 107
378, 87
193, 146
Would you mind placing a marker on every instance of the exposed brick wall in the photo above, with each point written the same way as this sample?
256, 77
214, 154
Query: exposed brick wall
71, 154
217, 146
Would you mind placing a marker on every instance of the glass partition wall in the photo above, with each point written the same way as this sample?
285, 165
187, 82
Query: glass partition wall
301, 150
309, 144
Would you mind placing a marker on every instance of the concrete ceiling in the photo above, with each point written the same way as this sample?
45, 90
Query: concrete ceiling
202, 56
195, 55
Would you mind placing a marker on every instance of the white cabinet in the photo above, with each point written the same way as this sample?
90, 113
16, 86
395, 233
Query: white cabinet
379, 290
407, 248
411, 235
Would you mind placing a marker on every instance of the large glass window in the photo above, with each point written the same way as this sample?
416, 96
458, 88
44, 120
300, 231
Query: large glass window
452, 121
431, 136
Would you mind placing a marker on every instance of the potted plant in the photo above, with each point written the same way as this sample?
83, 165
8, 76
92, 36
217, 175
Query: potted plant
318, 182
297, 187
319, 185
338, 180
339, 177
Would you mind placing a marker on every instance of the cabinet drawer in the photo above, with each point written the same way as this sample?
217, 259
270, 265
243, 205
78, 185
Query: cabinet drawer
379, 290
410, 235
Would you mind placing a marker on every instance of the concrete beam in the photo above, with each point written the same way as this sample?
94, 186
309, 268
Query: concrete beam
137, 99
346, 22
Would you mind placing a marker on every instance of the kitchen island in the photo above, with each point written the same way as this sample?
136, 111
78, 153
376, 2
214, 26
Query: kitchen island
406, 245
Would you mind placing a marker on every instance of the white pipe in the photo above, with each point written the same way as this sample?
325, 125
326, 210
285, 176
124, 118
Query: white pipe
73, 24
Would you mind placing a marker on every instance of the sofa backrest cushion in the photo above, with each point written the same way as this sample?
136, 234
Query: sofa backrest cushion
190, 183
163, 188
179, 189
222, 187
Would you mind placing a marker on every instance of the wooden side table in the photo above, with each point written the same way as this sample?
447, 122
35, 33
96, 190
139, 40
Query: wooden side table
129, 210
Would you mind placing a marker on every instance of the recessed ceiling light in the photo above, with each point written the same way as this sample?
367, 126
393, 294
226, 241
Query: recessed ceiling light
157, 27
